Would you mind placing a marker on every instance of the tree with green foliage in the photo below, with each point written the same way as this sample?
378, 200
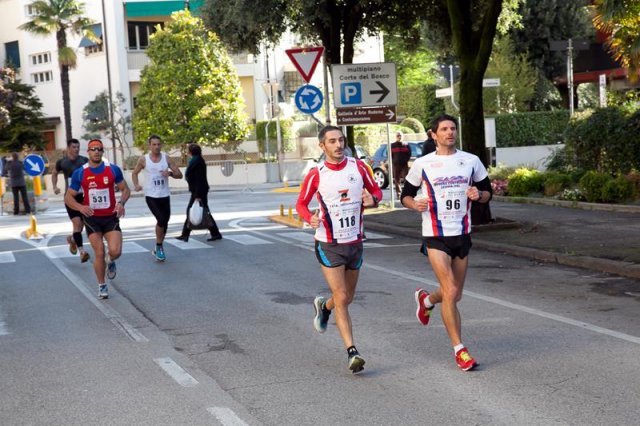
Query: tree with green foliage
544, 21
190, 91
98, 123
620, 19
58, 17
518, 80
26, 121
6, 75
414, 67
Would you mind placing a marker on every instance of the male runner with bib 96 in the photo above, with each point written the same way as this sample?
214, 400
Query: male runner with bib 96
343, 186
101, 212
67, 166
158, 167
449, 180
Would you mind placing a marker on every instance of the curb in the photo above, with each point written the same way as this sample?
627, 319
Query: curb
582, 205
615, 267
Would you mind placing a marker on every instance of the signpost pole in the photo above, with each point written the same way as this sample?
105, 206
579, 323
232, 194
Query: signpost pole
327, 105
390, 167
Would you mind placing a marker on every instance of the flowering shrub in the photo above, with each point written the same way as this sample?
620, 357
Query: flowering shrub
571, 195
500, 186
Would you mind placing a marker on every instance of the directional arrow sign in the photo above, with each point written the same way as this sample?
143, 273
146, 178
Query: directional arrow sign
366, 115
308, 99
305, 60
33, 165
359, 85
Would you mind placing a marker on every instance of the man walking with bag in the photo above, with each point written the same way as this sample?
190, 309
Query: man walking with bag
196, 175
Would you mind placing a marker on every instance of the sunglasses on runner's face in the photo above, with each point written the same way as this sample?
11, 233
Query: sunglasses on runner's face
96, 149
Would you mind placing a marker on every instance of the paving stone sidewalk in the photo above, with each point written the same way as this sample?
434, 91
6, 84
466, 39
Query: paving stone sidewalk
606, 240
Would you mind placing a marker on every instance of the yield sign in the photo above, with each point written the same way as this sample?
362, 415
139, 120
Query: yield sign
305, 60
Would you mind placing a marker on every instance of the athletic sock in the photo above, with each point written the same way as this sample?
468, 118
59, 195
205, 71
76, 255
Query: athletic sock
427, 303
77, 238
351, 350
457, 347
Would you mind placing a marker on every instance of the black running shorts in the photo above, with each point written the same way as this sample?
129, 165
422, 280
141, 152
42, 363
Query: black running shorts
102, 224
75, 213
334, 255
458, 246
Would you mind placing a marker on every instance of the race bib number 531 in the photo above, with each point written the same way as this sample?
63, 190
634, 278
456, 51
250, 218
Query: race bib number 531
99, 198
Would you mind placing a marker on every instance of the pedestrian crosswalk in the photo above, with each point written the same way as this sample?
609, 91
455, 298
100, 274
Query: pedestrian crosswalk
139, 244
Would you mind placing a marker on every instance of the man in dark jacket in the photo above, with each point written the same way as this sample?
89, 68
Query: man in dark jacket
429, 145
18, 185
400, 155
196, 175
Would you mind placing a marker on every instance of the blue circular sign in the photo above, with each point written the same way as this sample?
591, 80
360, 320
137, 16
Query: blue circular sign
33, 165
308, 99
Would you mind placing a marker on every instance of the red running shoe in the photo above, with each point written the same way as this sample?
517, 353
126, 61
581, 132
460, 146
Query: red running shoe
422, 313
464, 360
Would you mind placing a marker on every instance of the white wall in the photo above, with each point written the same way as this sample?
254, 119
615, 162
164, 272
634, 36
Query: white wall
526, 156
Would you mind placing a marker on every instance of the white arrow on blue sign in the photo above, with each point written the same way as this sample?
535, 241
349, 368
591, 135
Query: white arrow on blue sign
308, 99
33, 165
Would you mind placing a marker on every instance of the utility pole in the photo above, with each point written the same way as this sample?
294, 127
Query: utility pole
111, 114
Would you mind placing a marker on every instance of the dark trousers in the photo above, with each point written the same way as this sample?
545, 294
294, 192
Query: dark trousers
16, 201
214, 231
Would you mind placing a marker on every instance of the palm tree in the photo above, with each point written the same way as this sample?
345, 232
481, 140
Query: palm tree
620, 19
58, 16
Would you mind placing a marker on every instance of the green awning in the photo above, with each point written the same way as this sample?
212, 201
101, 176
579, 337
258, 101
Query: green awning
138, 9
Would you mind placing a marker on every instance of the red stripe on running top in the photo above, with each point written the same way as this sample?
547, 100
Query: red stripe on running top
436, 227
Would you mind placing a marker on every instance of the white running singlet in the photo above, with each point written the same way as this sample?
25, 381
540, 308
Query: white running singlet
156, 185
340, 199
444, 179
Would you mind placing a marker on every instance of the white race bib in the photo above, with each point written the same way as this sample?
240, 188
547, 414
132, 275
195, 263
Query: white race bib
346, 219
99, 198
453, 204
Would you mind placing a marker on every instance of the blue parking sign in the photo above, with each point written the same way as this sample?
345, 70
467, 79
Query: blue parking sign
351, 93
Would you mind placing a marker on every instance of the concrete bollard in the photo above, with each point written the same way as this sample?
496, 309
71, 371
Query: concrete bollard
32, 232
281, 209
290, 212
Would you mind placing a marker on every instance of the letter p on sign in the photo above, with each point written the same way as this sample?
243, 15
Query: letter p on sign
351, 93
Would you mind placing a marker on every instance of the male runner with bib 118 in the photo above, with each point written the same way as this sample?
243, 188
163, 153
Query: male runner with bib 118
158, 166
343, 186
449, 180
67, 166
101, 212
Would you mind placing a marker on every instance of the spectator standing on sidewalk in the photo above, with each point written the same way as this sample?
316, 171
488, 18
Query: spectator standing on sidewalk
448, 181
429, 145
18, 184
344, 187
400, 155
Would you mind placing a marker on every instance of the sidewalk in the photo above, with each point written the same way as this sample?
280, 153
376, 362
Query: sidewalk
606, 240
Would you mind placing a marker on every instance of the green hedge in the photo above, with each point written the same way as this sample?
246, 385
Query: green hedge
531, 128
288, 143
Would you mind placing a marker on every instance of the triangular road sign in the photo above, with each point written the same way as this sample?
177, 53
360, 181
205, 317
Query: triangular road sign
305, 60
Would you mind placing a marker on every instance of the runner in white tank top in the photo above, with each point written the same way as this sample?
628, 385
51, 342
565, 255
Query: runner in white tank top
158, 167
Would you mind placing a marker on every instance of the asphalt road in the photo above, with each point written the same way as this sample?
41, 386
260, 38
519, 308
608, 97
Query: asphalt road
221, 333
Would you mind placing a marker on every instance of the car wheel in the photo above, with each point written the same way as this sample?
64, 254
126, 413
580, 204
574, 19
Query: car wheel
381, 178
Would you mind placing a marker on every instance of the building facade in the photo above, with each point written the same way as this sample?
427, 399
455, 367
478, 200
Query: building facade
125, 28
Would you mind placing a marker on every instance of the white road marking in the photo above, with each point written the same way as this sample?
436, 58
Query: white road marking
130, 247
521, 308
496, 301
176, 372
192, 244
247, 240
226, 416
4, 329
7, 257
56, 252
304, 237
376, 236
